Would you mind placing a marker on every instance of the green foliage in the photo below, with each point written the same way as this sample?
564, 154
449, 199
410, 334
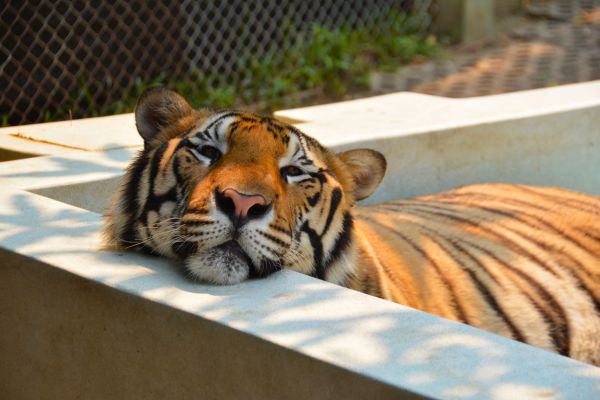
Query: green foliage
332, 61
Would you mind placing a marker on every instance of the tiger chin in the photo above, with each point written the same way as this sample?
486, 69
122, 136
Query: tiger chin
236, 196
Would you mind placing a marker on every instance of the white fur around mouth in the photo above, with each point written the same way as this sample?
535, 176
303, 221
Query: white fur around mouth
226, 264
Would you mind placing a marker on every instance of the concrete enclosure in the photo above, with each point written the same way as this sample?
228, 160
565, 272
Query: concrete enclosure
79, 322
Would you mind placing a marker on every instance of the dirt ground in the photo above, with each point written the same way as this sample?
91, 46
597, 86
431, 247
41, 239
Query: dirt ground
553, 42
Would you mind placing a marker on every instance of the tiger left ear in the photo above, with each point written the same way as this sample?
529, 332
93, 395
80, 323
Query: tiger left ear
366, 167
160, 112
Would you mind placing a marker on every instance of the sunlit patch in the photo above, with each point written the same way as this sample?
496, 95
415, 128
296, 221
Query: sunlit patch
461, 391
522, 391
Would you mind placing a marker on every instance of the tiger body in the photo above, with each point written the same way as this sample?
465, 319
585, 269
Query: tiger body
523, 262
235, 196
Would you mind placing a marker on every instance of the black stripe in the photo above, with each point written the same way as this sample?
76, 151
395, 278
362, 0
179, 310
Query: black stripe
215, 131
553, 248
267, 248
234, 127
185, 142
573, 272
267, 267
485, 196
155, 165
203, 135
594, 236
184, 249
147, 250
154, 202
487, 294
559, 332
222, 117
317, 246
453, 298
272, 238
578, 204
312, 200
512, 245
180, 181
274, 130
130, 196
549, 227
280, 229
516, 202
336, 197
249, 118
134, 177
342, 241
319, 176
196, 222
480, 266
485, 291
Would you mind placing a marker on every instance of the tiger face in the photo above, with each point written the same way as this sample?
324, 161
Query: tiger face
236, 195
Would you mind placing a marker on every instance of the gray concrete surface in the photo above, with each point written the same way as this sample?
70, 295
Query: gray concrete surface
80, 322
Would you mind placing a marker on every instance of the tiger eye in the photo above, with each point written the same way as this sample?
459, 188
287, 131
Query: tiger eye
291, 170
210, 152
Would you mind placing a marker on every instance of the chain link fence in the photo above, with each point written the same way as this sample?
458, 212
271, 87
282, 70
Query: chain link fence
68, 58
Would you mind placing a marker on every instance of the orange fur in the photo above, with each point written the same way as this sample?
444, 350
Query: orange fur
523, 262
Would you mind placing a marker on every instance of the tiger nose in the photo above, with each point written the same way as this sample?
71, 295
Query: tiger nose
240, 207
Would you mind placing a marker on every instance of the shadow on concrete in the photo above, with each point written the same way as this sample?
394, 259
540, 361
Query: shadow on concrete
385, 341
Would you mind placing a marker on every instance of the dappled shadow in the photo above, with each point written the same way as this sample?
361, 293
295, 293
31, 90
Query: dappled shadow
109, 161
120, 154
374, 337
23, 223
377, 338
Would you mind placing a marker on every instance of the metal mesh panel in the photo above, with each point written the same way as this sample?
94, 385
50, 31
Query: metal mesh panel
69, 57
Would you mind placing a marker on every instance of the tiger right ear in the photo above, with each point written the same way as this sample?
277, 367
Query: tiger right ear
159, 109
366, 168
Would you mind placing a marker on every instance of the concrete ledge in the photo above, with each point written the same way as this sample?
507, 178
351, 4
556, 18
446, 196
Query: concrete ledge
79, 322
67, 337
87, 134
405, 113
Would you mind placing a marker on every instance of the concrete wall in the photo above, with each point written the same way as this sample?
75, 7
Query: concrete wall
80, 322
66, 337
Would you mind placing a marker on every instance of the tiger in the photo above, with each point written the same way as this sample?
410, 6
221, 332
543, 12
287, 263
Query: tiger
235, 195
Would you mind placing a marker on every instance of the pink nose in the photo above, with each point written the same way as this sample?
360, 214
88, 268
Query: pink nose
243, 202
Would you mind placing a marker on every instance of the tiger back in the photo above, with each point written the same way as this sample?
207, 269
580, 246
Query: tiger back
523, 262
236, 196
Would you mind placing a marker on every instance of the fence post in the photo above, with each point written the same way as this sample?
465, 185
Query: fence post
465, 21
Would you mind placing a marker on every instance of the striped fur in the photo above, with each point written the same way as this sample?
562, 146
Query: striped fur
523, 262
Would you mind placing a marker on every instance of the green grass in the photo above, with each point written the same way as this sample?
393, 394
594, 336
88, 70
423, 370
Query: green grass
331, 62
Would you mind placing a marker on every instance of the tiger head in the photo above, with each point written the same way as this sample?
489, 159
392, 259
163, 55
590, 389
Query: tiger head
237, 195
